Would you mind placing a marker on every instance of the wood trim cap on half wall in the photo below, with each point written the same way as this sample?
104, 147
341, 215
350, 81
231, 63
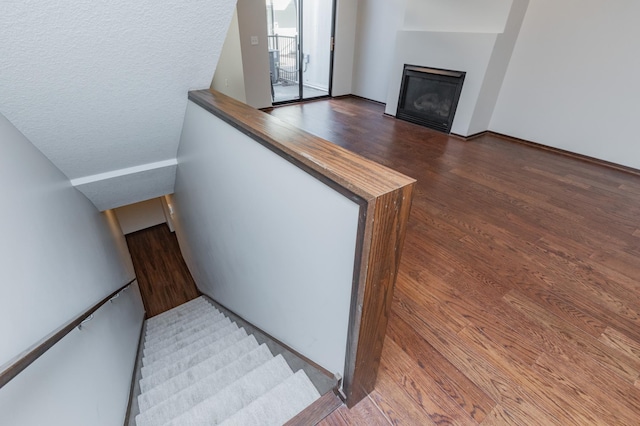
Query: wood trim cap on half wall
384, 196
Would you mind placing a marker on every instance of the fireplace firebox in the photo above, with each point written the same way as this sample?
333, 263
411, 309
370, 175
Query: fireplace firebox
429, 96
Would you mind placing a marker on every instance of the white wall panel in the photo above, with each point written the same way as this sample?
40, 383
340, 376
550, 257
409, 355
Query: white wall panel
58, 257
571, 82
264, 238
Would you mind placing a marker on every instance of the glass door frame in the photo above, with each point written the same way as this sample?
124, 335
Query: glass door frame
300, 54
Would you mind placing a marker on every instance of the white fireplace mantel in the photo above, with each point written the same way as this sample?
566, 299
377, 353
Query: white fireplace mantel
483, 55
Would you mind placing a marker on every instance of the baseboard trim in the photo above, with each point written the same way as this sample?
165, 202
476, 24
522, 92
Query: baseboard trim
559, 151
135, 374
351, 95
316, 412
566, 153
470, 137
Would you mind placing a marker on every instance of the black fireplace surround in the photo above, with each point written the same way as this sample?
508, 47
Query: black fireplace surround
429, 96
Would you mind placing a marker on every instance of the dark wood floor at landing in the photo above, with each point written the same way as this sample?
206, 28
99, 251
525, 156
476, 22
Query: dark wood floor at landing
518, 297
163, 277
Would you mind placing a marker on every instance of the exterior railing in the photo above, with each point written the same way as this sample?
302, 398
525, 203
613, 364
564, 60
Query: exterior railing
284, 57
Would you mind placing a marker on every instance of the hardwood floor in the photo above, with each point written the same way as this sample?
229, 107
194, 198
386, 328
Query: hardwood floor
518, 297
163, 277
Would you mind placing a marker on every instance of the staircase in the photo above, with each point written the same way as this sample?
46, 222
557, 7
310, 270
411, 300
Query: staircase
200, 368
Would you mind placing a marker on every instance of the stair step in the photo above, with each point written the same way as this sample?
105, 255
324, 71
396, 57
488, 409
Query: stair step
236, 396
212, 363
154, 376
222, 370
199, 368
170, 321
164, 330
190, 329
183, 316
195, 346
177, 312
200, 404
279, 405
186, 341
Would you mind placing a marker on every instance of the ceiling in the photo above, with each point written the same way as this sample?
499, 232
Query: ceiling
100, 87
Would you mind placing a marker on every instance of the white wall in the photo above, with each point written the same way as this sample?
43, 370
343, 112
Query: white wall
264, 238
571, 82
497, 68
474, 16
58, 257
252, 21
229, 76
84, 379
344, 47
377, 24
142, 215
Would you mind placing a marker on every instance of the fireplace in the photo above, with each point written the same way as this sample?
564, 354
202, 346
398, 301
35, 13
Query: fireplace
429, 96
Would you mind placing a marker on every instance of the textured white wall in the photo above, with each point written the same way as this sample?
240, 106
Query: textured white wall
571, 81
265, 238
59, 256
102, 85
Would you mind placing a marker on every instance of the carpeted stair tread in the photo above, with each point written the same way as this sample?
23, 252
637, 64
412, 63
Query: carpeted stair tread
279, 405
177, 316
157, 329
191, 329
210, 400
235, 396
184, 316
198, 301
177, 312
206, 367
185, 341
200, 368
154, 376
207, 377
193, 347
206, 317
166, 330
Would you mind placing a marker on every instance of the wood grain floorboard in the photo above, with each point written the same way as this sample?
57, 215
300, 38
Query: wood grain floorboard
518, 295
163, 276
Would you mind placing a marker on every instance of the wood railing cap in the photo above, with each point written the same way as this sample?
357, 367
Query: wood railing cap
358, 175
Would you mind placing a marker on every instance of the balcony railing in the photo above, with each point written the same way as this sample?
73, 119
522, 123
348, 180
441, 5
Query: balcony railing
284, 59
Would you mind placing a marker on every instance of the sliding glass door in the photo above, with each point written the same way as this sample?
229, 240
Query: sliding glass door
300, 48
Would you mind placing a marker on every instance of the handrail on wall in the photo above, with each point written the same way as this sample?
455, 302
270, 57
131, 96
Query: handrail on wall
21, 361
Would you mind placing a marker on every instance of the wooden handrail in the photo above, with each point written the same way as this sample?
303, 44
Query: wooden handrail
21, 361
384, 197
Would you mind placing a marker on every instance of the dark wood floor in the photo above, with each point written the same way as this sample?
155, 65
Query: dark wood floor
163, 277
518, 298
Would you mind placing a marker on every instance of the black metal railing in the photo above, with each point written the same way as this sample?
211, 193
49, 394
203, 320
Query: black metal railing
284, 60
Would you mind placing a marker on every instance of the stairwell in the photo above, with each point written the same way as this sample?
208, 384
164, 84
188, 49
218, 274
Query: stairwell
200, 368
